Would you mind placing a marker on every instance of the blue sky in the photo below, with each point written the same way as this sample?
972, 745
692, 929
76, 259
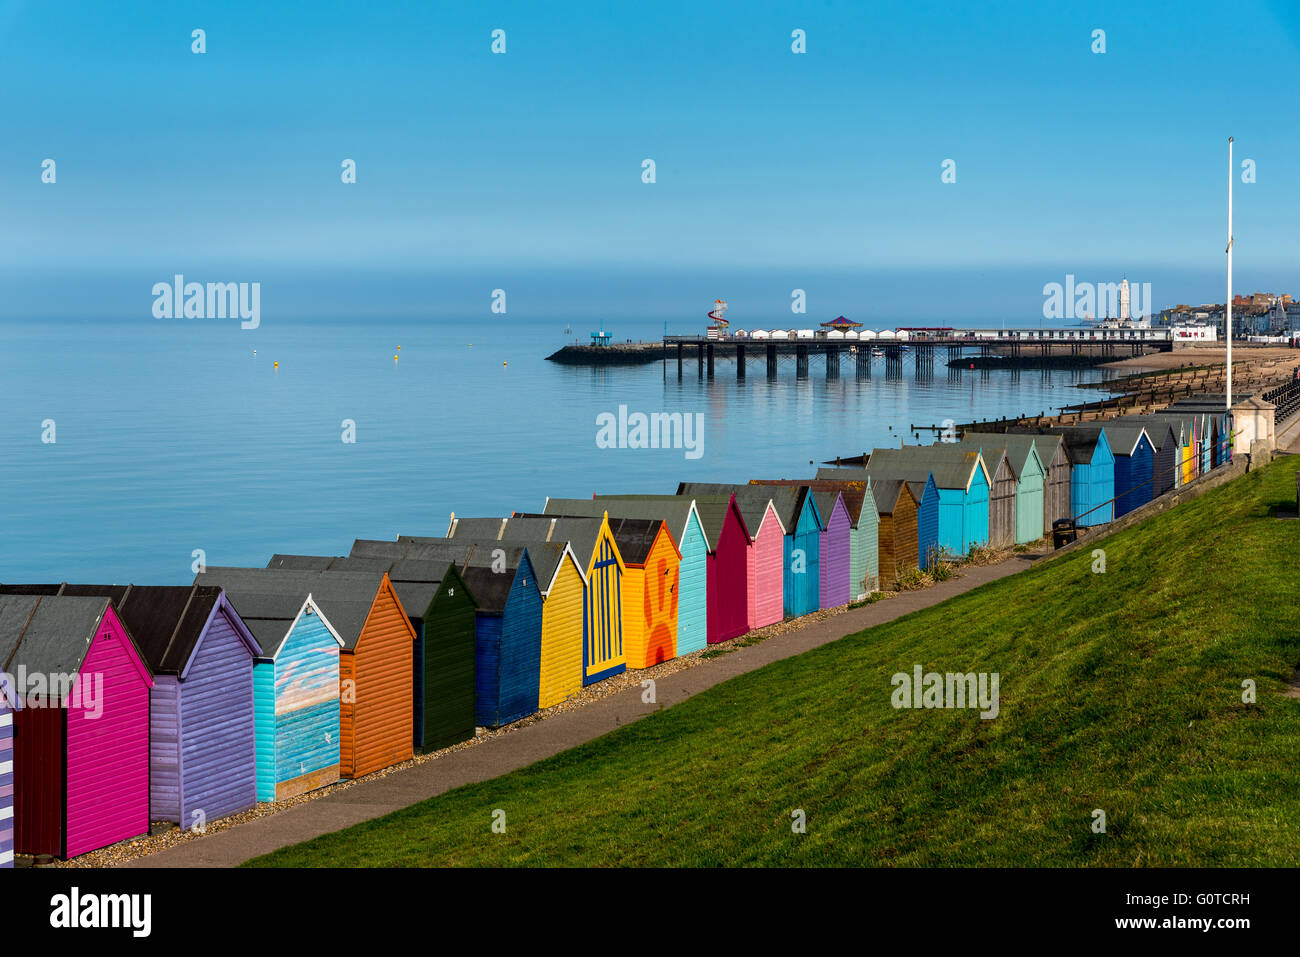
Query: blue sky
481, 169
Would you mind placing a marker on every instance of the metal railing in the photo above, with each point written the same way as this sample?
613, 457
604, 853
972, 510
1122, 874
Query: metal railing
1287, 399
1176, 470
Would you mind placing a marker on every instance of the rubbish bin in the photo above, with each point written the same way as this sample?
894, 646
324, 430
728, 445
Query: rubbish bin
1063, 532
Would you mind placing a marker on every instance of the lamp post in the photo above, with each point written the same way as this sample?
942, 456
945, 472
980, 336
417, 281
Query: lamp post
1227, 324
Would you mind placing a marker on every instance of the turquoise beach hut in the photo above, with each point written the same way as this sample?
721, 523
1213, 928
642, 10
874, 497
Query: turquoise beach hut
295, 683
1092, 471
962, 483
801, 559
1022, 453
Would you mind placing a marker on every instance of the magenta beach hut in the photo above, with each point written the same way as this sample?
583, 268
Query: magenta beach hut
202, 764
761, 510
727, 580
81, 747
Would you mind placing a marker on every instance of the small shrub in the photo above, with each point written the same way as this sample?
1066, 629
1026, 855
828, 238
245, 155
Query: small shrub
914, 578
941, 571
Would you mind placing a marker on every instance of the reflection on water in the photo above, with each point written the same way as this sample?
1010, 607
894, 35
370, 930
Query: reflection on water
176, 437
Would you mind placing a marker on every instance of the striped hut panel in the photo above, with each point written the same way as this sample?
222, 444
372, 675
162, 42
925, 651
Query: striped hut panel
6, 783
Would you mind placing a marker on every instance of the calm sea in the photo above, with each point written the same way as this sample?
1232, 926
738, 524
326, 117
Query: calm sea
175, 436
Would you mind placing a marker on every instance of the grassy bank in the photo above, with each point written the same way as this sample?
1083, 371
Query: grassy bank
1120, 691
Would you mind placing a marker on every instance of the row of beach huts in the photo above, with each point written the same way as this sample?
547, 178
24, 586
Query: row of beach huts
124, 704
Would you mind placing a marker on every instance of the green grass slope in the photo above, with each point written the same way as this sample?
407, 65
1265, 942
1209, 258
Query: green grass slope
1120, 691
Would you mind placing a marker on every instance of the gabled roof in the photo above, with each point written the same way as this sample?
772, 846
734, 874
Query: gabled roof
416, 582
953, 466
474, 560
873, 477
711, 507
485, 529
751, 501
165, 621
1159, 426
1080, 440
888, 492
344, 599
1206, 402
854, 491
581, 532
490, 588
633, 536
674, 510
48, 634
1019, 448
1124, 437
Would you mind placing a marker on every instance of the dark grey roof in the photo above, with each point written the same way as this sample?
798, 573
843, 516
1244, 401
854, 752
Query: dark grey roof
545, 557
165, 621
416, 597
416, 582
712, 499
877, 476
674, 510
486, 529
634, 537
1206, 402
15, 609
489, 587
369, 548
1018, 447
344, 598
317, 563
751, 501
57, 634
887, 492
1159, 426
581, 532
1124, 436
951, 465
1080, 440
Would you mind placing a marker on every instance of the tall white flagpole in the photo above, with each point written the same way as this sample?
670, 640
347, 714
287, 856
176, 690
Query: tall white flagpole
1228, 313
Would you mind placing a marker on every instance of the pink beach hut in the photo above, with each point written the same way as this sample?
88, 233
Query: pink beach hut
760, 508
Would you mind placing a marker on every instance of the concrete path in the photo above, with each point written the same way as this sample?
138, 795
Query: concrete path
528, 745
1288, 437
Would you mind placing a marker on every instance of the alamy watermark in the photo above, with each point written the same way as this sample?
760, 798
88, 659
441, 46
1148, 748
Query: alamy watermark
1086, 300
38, 689
654, 430
179, 299
947, 690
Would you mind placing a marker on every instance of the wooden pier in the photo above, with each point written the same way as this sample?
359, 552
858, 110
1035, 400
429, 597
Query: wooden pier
704, 353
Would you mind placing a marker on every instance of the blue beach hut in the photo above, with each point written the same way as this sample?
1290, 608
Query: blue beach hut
962, 483
1131, 446
1092, 471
